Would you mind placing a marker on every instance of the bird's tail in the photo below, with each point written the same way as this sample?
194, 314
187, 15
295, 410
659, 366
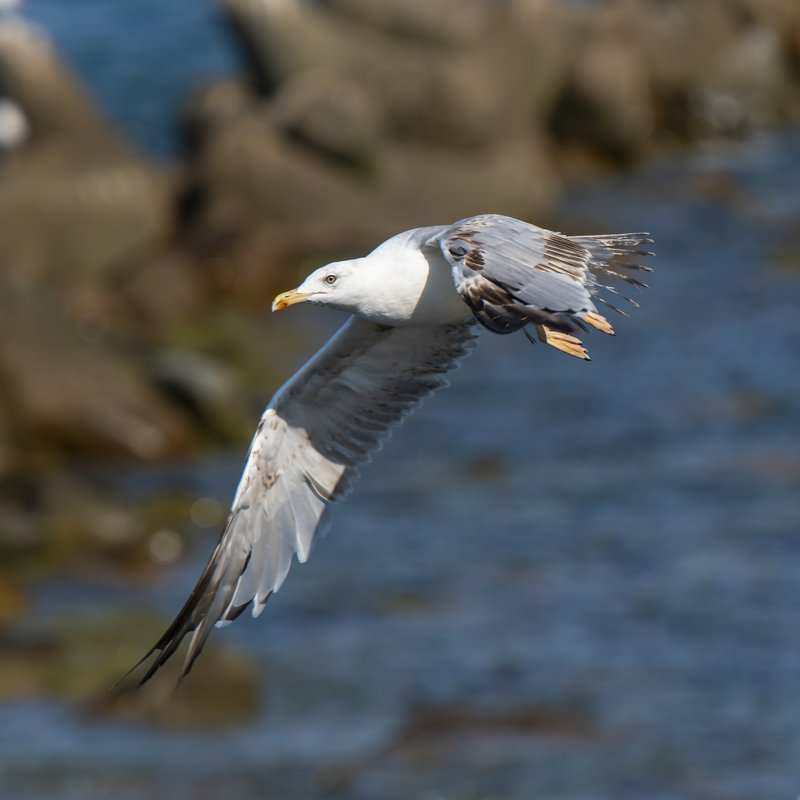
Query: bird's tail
616, 257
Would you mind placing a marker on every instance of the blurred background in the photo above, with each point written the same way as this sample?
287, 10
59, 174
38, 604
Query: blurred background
560, 580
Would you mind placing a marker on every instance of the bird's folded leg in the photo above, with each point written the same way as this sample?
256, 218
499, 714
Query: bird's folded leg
570, 345
598, 321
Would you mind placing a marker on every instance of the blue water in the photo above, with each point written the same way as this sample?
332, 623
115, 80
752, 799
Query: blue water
140, 58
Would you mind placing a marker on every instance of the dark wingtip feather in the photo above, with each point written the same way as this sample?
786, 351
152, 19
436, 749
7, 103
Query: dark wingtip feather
614, 256
164, 649
204, 607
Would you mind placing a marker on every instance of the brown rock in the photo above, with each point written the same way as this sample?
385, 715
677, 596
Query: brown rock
65, 390
460, 23
364, 132
743, 84
531, 56
448, 95
162, 290
606, 105
330, 114
212, 105
66, 219
76, 203
49, 95
250, 174
783, 17
283, 38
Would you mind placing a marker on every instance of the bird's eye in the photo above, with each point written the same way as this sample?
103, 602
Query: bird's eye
330, 279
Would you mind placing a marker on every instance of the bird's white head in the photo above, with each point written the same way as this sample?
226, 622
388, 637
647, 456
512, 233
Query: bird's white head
384, 287
332, 285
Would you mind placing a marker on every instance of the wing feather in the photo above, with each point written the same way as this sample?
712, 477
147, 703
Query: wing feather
323, 423
511, 273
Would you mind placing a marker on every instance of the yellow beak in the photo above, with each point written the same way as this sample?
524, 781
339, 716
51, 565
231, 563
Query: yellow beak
287, 299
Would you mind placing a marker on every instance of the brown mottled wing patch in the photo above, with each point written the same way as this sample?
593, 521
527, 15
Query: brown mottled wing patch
511, 273
495, 307
322, 424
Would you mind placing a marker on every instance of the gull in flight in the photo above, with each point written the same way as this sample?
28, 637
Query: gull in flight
415, 304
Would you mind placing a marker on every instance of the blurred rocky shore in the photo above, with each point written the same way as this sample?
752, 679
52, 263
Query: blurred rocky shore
133, 295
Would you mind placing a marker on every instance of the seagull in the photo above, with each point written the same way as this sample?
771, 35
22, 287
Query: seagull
416, 303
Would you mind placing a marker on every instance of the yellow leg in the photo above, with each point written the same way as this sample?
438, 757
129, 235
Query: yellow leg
598, 321
562, 341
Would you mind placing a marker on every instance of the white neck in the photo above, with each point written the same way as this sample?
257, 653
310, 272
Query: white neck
404, 285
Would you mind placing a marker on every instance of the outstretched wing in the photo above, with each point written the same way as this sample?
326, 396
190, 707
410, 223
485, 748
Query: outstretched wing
511, 273
318, 428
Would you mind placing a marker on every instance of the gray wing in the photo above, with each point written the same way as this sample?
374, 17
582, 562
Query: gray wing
511, 273
318, 428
